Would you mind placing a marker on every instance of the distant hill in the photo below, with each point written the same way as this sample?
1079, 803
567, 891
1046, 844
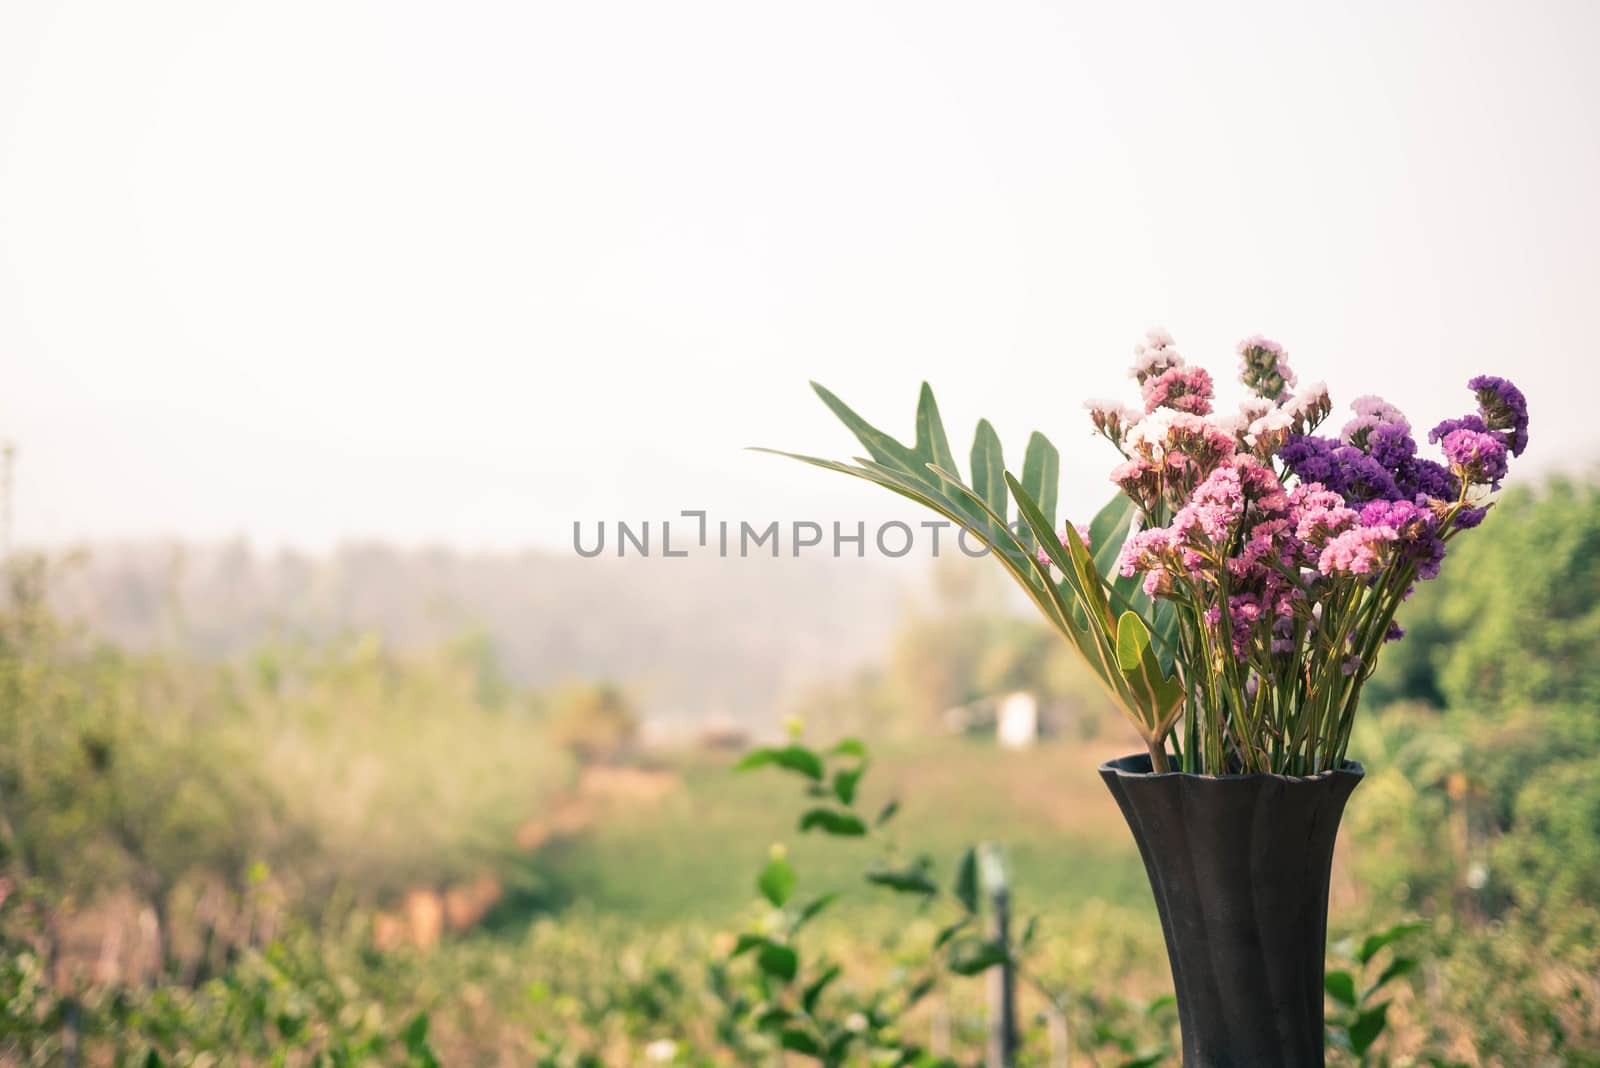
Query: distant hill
691, 638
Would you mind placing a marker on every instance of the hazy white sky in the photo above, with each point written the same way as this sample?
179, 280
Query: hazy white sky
467, 271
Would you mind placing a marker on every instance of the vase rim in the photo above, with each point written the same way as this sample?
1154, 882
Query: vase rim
1119, 768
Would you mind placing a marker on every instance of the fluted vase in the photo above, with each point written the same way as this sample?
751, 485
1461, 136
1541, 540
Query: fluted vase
1240, 867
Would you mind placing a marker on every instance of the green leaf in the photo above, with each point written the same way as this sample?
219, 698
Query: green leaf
880, 446
840, 1043
1368, 1026
1133, 639
1028, 931
415, 1036
1375, 942
831, 821
933, 447
814, 989
845, 781
850, 747
989, 469
799, 1041
792, 757
813, 909
773, 1018
1108, 530
921, 990
970, 956
1041, 477
1149, 1060
746, 943
1341, 986
966, 888
778, 961
886, 813
951, 931
910, 881
776, 881
1400, 966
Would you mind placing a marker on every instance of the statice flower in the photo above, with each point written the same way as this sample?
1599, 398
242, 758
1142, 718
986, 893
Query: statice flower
1476, 457
1154, 355
1466, 422
1416, 526
1358, 551
1309, 407
1372, 413
1264, 368
1391, 445
1140, 480
1112, 419
1319, 515
1268, 433
1504, 408
1188, 389
1426, 478
1310, 459
1043, 555
1152, 553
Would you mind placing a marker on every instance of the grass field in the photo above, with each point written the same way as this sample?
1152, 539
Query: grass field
692, 854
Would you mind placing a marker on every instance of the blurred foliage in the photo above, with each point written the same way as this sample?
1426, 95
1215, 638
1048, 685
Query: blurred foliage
252, 814
593, 721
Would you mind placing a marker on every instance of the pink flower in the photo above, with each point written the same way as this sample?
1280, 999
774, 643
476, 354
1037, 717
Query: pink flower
1475, 456
1043, 555
1188, 389
1358, 551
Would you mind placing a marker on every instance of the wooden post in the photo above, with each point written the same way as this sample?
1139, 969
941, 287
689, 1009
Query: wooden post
1003, 1039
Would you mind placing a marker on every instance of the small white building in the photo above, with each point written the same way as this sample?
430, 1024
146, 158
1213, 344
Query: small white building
1016, 724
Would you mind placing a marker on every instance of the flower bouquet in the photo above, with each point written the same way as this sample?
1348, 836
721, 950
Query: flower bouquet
1232, 598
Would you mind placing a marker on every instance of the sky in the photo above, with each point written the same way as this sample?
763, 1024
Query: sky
465, 273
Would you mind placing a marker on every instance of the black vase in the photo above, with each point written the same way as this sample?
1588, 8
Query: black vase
1239, 865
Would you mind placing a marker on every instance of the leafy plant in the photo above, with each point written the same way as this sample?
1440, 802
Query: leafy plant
1121, 633
1359, 1019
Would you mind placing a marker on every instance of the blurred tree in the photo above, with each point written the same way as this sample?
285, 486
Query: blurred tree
1515, 617
593, 721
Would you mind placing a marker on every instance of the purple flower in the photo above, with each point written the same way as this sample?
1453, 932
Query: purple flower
1416, 526
1344, 469
1427, 478
1504, 408
1391, 445
1468, 518
1310, 458
1365, 479
1466, 422
1476, 456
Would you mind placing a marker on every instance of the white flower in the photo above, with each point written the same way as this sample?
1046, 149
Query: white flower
1151, 431
661, 1051
1357, 425
1277, 421
1307, 398
1380, 410
1154, 355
